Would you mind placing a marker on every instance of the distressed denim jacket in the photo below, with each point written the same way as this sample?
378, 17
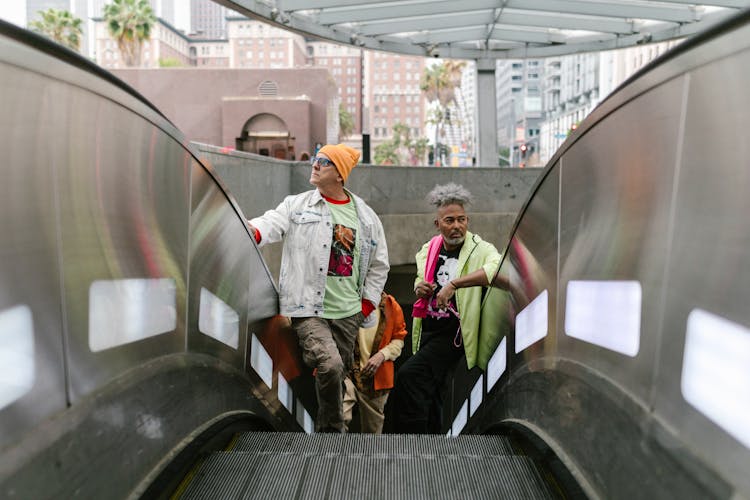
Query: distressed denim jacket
304, 222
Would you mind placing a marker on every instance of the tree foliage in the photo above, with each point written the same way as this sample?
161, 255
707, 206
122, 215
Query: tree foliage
346, 122
439, 83
402, 148
61, 26
129, 23
170, 62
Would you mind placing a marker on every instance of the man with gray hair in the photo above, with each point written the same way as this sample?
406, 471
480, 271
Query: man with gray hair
452, 268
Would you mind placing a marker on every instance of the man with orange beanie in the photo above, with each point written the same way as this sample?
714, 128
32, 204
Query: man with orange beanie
334, 265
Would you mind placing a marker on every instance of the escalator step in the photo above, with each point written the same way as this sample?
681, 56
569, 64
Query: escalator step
373, 445
290, 475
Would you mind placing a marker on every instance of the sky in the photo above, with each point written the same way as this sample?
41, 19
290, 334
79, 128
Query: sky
13, 11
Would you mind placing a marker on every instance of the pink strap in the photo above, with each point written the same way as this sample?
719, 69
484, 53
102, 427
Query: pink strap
419, 309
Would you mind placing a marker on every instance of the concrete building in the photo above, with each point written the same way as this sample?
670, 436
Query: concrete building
571, 92
519, 109
574, 85
253, 44
346, 65
281, 113
209, 53
392, 94
208, 19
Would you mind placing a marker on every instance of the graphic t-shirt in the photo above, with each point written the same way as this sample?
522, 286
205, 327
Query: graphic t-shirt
438, 323
342, 291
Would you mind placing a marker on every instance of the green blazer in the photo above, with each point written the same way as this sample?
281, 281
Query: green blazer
475, 254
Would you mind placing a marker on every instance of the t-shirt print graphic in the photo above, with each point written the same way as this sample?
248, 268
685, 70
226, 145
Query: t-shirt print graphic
342, 251
446, 270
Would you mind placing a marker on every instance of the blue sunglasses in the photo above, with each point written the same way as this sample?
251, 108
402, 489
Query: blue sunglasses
322, 162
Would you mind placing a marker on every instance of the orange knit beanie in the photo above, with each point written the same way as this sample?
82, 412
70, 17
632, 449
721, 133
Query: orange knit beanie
342, 156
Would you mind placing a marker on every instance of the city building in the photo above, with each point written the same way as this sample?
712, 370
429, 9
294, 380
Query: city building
519, 110
571, 92
253, 44
208, 19
282, 113
392, 94
345, 64
574, 85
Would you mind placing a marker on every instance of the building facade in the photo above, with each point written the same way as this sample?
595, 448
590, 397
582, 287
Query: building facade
281, 113
518, 87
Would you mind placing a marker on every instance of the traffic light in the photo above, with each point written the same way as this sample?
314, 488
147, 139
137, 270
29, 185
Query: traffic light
523, 149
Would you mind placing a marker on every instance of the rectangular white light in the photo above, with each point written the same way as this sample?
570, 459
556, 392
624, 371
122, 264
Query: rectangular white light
715, 373
129, 310
460, 421
605, 313
218, 320
17, 363
497, 364
285, 393
261, 361
476, 396
304, 419
531, 322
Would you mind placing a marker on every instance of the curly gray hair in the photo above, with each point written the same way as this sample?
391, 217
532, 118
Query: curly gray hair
449, 194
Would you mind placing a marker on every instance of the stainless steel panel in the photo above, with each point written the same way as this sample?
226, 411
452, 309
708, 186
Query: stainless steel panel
708, 265
532, 265
29, 270
616, 189
219, 253
124, 214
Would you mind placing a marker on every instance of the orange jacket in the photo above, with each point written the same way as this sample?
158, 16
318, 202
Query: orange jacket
394, 327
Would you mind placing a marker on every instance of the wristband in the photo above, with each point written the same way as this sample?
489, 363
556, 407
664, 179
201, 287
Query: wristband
454, 285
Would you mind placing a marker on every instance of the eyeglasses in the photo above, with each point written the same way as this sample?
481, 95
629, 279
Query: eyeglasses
321, 162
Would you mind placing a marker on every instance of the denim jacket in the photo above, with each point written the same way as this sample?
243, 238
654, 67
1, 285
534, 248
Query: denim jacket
304, 222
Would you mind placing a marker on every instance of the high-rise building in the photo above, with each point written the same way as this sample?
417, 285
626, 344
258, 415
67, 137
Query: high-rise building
519, 109
392, 94
345, 64
571, 93
208, 19
253, 44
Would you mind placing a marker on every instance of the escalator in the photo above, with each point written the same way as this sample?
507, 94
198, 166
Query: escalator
146, 359
293, 465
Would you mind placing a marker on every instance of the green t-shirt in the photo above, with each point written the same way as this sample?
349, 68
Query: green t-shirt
342, 291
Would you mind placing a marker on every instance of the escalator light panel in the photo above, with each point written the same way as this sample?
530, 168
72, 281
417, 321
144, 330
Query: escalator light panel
497, 364
605, 313
531, 322
475, 399
129, 310
285, 393
303, 418
715, 375
460, 421
17, 366
218, 320
261, 361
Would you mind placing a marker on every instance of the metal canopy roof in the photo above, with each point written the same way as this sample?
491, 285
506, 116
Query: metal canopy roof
490, 29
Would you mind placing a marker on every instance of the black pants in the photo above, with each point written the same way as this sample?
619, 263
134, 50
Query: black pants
416, 397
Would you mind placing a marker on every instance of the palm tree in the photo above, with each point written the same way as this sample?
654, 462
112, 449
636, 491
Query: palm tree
346, 123
129, 22
61, 26
439, 83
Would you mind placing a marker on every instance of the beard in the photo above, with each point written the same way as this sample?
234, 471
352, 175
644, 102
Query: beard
455, 241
